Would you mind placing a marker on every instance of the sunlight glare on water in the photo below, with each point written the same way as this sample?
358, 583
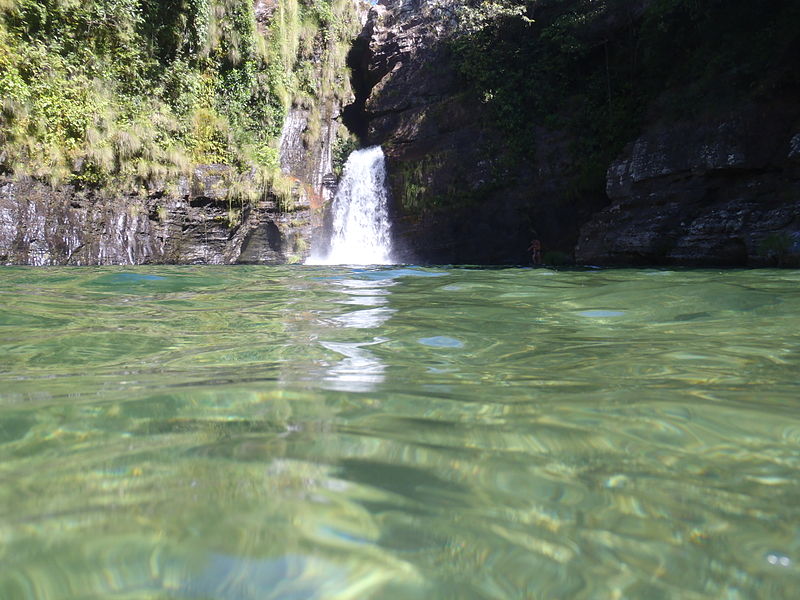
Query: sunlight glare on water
336, 433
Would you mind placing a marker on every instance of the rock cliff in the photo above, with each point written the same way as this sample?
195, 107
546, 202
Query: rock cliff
717, 184
722, 191
214, 213
459, 195
195, 224
719, 187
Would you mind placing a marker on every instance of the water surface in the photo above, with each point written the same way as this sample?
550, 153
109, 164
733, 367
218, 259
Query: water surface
396, 433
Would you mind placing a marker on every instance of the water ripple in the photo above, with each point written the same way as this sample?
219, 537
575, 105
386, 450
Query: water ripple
398, 433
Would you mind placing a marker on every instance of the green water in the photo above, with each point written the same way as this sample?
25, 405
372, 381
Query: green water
259, 433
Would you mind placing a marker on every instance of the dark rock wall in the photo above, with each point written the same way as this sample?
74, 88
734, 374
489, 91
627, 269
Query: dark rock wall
458, 194
722, 191
719, 189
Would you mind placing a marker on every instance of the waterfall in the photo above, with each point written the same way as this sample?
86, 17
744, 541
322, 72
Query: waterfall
360, 233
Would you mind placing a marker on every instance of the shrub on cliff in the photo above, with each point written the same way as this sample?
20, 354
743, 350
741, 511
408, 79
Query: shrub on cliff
133, 92
595, 68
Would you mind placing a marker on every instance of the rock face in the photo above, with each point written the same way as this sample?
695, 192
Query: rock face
192, 220
43, 226
311, 163
311, 130
724, 191
721, 189
457, 195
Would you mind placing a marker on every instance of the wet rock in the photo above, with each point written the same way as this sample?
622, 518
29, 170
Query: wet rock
43, 226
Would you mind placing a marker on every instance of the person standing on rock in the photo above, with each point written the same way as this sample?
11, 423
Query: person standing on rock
536, 251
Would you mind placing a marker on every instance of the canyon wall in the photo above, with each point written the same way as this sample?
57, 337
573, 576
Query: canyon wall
722, 191
616, 151
716, 187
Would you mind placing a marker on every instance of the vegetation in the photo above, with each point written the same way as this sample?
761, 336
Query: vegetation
778, 247
595, 67
132, 93
342, 149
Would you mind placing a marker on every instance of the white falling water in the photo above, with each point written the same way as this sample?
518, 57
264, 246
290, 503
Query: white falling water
360, 233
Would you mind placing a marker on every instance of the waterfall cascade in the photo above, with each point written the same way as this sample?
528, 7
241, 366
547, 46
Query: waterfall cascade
360, 233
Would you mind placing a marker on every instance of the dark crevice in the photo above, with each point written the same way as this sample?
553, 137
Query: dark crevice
354, 116
204, 202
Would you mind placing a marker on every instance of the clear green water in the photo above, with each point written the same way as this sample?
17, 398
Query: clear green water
259, 433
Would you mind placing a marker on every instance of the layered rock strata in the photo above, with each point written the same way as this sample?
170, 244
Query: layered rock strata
194, 224
723, 191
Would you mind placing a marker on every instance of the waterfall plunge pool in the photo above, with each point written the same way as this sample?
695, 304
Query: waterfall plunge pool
324, 432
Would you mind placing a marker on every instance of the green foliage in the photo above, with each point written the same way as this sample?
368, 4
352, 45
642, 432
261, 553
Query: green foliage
776, 247
267, 156
342, 149
283, 189
209, 138
421, 188
474, 16
321, 11
125, 93
595, 68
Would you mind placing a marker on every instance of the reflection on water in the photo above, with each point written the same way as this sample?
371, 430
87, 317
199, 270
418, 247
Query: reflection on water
283, 578
234, 578
236, 433
371, 318
360, 371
